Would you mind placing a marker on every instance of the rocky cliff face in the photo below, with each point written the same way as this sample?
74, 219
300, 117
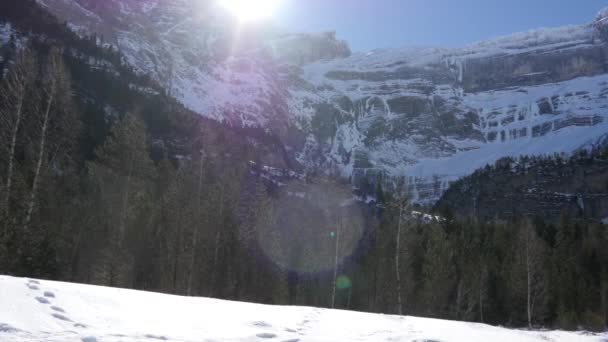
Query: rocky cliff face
300, 49
434, 115
428, 115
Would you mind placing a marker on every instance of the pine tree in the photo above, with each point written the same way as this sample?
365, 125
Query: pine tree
122, 174
438, 273
403, 207
165, 227
178, 216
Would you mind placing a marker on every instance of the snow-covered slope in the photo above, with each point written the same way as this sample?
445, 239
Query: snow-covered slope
32, 310
213, 65
430, 115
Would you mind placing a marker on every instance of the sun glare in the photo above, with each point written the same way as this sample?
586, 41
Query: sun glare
250, 10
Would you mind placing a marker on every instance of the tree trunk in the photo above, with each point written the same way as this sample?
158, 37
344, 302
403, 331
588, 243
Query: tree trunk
176, 251
604, 295
125, 203
218, 237
333, 292
17, 86
11, 156
42, 147
458, 299
528, 280
75, 253
397, 266
481, 276
196, 229
350, 293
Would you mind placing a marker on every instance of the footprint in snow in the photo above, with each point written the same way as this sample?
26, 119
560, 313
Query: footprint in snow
293, 340
261, 324
266, 335
61, 317
32, 286
89, 339
49, 294
31, 281
6, 328
291, 330
58, 309
156, 337
42, 300
79, 325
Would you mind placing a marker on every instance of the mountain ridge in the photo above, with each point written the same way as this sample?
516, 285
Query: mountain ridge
428, 115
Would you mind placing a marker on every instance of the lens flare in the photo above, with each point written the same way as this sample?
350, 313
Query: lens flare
312, 233
343, 283
250, 10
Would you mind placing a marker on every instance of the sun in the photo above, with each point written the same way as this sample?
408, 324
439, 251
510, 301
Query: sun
250, 10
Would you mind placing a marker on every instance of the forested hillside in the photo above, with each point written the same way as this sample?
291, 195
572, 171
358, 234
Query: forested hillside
531, 186
105, 179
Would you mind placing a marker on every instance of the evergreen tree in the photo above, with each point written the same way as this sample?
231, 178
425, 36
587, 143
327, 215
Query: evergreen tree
438, 273
122, 173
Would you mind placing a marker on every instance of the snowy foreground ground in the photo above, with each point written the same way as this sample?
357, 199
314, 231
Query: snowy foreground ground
32, 310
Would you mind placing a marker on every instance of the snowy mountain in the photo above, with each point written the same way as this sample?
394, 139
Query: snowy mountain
434, 115
431, 115
35, 310
200, 55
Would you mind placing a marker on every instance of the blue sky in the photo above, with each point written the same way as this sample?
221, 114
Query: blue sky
368, 24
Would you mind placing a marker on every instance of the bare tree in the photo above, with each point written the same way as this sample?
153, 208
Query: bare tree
532, 260
178, 209
55, 123
15, 92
